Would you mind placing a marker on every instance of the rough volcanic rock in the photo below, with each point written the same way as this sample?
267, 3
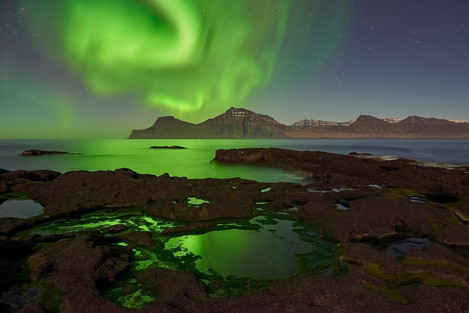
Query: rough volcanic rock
319, 208
140, 238
172, 286
116, 228
75, 193
79, 262
10, 225
381, 217
188, 228
32, 309
439, 254
10, 179
11, 256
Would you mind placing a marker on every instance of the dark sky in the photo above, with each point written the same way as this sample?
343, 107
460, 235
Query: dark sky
60, 74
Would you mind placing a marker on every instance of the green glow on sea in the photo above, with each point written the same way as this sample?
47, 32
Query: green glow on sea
193, 162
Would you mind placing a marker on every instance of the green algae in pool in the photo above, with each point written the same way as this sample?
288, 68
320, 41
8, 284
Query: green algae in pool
133, 219
20, 208
234, 258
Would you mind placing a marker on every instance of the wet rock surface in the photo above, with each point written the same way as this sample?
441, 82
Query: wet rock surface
114, 229
76, 269
139, 238
188, 228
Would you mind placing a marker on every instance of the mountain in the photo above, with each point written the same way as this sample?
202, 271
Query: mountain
239, 123
234, 123
308, 123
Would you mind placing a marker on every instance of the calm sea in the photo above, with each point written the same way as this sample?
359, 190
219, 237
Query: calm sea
194, 162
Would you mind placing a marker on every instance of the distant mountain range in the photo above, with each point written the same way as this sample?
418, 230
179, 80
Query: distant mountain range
238, 123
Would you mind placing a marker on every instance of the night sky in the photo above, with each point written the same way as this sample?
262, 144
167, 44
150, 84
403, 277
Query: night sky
99, 68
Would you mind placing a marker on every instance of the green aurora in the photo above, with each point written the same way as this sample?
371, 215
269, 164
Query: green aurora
182, 55
98, 69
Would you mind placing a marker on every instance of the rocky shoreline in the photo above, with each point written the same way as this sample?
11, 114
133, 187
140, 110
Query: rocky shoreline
363, 205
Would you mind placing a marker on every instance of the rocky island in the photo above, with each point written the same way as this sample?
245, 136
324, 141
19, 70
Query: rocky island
35, 152
391, 235
168, 147
239, 123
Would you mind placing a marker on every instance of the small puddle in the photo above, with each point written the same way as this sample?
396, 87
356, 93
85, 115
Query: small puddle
329, 190
341, 207
20, 209
401, 247
193, 201
416, 199
316, 190
266, 189
341, 189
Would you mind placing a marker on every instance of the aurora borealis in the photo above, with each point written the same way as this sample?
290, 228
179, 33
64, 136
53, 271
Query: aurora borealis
89, 68
188, 56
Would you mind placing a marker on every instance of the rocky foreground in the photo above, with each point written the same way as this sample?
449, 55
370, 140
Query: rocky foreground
360, 203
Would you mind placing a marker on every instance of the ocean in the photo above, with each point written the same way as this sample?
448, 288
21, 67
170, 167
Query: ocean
195, 161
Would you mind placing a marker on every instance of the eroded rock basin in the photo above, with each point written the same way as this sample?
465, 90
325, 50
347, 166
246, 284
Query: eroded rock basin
228, 257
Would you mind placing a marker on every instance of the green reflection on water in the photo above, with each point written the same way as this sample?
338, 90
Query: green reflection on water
193, 162
265, 253
237, 257
195, 201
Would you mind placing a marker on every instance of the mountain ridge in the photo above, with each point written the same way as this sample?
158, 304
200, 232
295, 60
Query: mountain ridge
240, 123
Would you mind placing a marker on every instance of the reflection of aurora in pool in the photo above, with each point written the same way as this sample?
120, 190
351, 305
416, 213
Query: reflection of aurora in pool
267, 247
268, 252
